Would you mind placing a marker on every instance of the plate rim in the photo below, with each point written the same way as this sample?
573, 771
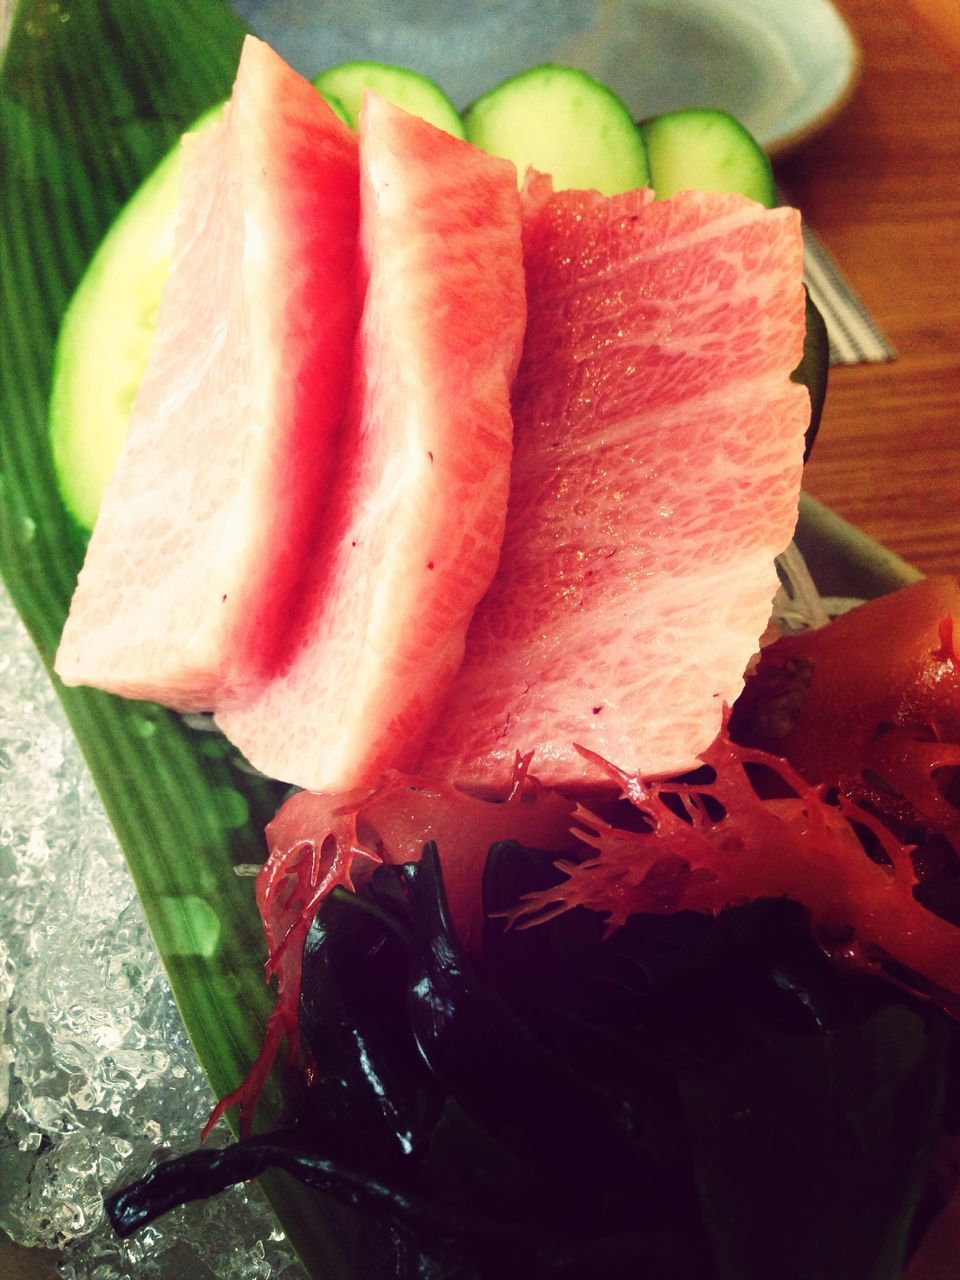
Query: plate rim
766, 12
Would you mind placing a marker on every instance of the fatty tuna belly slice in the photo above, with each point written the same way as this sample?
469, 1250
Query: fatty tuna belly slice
195, 559
657, 459
416, 527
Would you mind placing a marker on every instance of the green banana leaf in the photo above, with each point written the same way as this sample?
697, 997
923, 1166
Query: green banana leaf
92, 94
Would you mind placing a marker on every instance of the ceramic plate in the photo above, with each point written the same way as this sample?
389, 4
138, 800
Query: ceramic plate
781, 67
784, 69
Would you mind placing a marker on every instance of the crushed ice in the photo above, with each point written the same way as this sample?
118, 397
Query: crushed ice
97, 1077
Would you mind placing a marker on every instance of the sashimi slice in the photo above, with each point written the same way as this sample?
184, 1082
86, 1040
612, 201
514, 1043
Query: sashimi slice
417, 521
658, 447
193, 566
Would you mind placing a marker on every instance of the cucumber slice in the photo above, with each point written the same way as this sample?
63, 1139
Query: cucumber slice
404, 88
106, 336
336, 106
706, 150
562, 122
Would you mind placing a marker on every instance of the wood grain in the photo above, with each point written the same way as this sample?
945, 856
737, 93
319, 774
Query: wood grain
881, 187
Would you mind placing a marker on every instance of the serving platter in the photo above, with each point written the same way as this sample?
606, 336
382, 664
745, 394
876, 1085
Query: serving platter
184, 810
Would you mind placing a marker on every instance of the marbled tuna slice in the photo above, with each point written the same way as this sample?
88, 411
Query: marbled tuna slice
657, 459
196, 558
413, 533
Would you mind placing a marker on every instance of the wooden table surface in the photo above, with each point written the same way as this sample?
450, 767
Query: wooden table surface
881, 187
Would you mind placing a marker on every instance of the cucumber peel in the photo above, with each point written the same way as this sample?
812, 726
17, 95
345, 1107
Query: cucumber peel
706, 150
406, 89
336, 106
561, 121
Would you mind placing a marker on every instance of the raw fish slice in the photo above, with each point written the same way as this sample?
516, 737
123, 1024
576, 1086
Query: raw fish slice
194, 563
414, 530
658, 446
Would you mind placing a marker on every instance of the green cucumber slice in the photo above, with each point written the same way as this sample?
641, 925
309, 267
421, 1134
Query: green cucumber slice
562, 122
106, 336
336, 106
407, 89
706, 150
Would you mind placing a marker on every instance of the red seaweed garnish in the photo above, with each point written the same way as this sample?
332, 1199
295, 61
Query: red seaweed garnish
317, 843
800, 846
290, 887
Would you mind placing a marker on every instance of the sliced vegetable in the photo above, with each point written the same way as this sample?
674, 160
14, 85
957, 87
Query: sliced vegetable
107, 334
706, 150
336, 106
561, 121
407, 89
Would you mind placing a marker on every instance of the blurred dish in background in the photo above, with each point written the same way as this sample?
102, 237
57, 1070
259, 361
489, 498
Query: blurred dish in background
783, 68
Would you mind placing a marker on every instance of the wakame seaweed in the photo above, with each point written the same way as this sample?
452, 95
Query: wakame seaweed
690, 1097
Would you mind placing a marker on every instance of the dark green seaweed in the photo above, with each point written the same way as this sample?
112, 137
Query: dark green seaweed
690, 1097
